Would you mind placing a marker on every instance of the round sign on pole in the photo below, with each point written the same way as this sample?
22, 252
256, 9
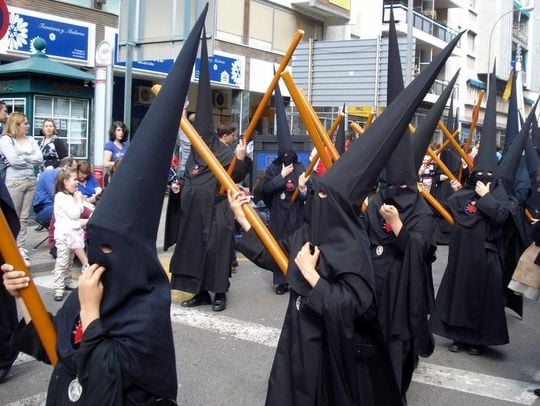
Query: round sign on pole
4, 18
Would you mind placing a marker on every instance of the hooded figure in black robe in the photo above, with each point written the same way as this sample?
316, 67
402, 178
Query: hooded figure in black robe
516, 229
331, 351
470, 300
285, 216
8, 307
532, 150
127, 355
440, 187
202, 257
401, 257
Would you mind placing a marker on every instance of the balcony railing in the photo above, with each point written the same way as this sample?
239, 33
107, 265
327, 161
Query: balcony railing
519, 31
439, 85
422, 22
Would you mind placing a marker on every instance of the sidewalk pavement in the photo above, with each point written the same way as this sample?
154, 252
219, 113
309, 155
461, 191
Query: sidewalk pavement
42, 261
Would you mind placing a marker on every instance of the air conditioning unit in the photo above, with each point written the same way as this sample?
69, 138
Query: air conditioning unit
220, 99
143, 95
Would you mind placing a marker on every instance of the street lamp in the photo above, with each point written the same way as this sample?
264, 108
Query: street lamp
528, 8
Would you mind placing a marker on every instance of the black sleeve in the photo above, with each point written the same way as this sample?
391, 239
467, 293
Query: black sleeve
251, 246
25, 339
98, 368
61, 148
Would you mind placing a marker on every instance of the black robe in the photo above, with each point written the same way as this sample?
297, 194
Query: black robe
8, 307
470, 300
95, 362
442, 190
331, 351
404, 283
203, 253
285, 217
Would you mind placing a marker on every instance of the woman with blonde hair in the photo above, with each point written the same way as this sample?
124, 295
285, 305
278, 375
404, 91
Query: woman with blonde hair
22, 154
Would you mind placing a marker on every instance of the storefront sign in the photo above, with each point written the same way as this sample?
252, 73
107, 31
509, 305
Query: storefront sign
224, 70
68, 39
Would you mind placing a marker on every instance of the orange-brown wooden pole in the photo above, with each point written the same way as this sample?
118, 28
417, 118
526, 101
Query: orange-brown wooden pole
306, 117
442, 166
266, 97
475, 115
334, 154
339, 118
369, 121
225, 179
313, 161
356, 128
435, 204
30, 295
445, 143
456, 146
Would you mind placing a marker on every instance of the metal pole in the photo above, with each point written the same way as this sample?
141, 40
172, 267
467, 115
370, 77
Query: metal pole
129, 62
409, 63
489, 68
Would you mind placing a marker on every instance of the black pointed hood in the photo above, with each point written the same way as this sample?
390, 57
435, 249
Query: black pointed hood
355, 173
508, 168
394, 73
531, 159
424, 133
204, 123
512, 119
340, 136
450, 118
399, 168
122, 234
486, 159
282, 126
535, 134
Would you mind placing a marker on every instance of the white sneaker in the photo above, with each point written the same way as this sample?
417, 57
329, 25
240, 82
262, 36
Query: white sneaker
70, 284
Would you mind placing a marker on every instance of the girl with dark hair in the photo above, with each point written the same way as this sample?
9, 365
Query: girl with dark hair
116, 147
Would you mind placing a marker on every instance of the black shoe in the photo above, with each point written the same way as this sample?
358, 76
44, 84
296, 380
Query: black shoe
282, 288
52, 251
476, 349
537, 392
200, 299
3, 373
220, 302
455, 347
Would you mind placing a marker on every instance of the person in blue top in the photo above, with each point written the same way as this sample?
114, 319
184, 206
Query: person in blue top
43, 203
116, 147
88, 184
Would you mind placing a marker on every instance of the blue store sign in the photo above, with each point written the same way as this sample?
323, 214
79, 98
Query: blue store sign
67, 39
225, 70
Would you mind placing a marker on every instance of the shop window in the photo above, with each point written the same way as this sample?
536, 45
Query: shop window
71, 119
15, 105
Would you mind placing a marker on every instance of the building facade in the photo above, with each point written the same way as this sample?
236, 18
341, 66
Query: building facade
250, 37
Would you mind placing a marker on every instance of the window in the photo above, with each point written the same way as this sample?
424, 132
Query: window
272, 29
230, 20
70, 117
15, 105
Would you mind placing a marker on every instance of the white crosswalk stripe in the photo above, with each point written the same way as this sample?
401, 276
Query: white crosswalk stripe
436, 375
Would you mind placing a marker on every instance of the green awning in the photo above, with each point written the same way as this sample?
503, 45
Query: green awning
39, 63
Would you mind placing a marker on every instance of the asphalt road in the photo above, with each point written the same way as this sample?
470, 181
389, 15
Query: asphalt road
225, 358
